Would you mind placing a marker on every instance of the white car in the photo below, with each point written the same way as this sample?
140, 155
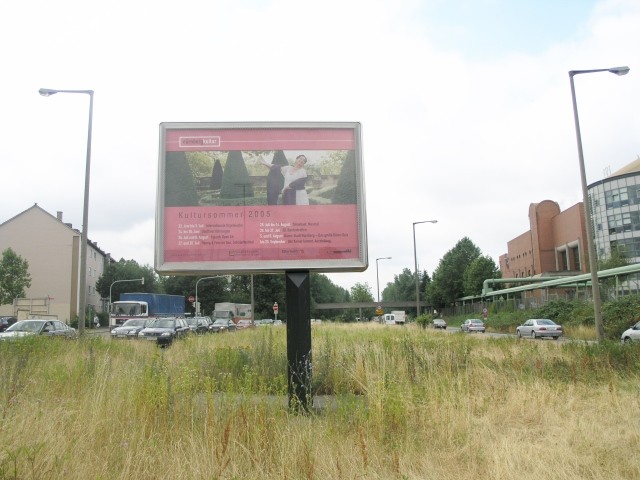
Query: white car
538, 328
632, 333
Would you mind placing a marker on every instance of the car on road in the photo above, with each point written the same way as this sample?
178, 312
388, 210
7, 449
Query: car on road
242, 324
198, 325
439, 323
473, 325
6, 322
130, 328
37, 326
221, 325
631, 334
165, 330
538, 328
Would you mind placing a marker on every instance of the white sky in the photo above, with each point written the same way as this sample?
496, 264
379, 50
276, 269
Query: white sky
465, 106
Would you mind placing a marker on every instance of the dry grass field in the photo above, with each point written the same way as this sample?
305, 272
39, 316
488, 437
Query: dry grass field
391, 403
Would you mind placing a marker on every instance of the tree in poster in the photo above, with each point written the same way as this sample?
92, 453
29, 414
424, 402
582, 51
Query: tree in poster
236, 182
14, 276
345, 192
180, 187
216, 175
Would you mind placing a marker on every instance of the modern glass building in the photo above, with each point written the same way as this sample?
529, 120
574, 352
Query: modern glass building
615, 207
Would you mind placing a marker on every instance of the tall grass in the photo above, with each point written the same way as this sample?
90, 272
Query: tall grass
391, 402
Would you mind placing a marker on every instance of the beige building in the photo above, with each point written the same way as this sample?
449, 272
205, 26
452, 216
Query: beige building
52, 249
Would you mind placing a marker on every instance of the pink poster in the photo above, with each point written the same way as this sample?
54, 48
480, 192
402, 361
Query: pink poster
256, 197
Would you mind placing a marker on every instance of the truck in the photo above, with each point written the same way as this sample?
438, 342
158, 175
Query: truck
400, 316
145, 305
396, 317
232, 311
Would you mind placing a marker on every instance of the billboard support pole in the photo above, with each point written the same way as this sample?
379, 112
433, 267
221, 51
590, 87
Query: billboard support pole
298, 295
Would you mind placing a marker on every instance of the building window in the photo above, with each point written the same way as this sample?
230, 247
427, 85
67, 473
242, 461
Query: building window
617, 197
619, 223
575, 256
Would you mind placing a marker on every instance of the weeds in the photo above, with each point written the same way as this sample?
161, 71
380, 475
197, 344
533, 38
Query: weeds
400, 403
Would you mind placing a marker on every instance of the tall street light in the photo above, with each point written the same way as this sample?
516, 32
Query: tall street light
415, 259
377, 277
593, 263
82, 304
141, 280
197, 282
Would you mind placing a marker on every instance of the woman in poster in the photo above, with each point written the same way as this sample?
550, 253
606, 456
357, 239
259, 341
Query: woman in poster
295, 177
293, 189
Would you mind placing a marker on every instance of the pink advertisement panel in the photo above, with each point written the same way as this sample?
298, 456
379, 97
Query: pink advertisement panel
260, 197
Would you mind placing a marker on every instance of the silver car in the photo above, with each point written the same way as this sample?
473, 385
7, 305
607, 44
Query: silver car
631, 334
472, 325
130, 328
49, 328
538, 328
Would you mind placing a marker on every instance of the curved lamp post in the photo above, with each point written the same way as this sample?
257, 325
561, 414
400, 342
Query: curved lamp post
82, 304
378, 278
415, 259
593, 263
197, 282
141, 280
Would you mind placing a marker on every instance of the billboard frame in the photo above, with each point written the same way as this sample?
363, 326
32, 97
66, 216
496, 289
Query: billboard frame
291, 137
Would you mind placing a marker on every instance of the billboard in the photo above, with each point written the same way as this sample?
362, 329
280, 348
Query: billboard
260, 197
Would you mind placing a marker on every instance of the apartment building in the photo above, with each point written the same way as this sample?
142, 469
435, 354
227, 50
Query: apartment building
52, 249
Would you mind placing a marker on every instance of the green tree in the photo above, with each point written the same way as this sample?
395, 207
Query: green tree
447, 283
403, 287
14, 276
210, 290
126, 270
345, 192
361, 292
480, 269
236, 183
180, 187
216, 175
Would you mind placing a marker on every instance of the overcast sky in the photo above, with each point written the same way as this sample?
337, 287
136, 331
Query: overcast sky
465, 106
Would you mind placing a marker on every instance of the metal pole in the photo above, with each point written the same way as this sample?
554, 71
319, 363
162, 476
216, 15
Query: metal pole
593, 261
298, 294
415, 259
377, 277
198, 281
82, 303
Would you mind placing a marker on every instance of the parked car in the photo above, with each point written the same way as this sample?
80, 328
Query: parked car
242, 324
198, 325
165, 330
472, 325
221, 325
263, 322
6, 322
36, 326
439, 323
631, 334
539, 327
130, 328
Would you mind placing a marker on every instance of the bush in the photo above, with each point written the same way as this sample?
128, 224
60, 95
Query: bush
618, 315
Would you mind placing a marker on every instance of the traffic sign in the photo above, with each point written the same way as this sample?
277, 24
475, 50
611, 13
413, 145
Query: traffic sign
275, 307
379, 311
192, 298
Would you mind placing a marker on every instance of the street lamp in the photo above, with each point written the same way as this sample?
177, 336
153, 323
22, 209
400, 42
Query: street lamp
378, 278
141, 280
415, 259
197, 282
593, 263
47, 92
